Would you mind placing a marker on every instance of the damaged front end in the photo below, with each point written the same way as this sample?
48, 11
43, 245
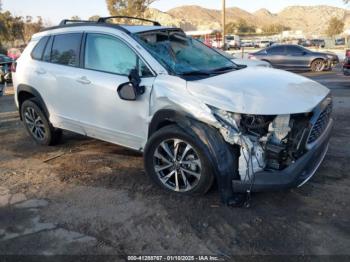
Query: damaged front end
276, 151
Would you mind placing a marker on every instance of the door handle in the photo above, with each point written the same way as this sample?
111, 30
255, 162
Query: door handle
40, 71
84, 80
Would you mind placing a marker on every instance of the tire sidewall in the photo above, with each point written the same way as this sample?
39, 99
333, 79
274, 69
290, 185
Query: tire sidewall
48, 129
171, 132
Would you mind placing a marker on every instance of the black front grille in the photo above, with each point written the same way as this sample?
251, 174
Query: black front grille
321, 124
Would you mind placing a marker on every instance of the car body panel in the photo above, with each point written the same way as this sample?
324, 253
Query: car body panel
277, 92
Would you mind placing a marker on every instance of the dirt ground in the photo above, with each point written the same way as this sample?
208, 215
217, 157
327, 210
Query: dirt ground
90, 197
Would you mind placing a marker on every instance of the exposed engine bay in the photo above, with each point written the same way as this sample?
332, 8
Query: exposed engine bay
266, 142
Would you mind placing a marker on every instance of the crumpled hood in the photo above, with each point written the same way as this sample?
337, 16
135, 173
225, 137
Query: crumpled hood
259, 90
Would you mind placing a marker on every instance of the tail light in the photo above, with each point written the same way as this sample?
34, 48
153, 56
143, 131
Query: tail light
13, 67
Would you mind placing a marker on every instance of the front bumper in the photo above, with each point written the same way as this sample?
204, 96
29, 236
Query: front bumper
296, 175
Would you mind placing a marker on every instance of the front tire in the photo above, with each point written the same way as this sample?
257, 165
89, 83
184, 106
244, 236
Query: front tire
318, 65
177, 161
37, 124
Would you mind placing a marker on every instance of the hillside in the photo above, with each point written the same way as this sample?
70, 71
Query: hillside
313, 20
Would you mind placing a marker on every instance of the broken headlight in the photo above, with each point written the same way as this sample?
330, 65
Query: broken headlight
226, 118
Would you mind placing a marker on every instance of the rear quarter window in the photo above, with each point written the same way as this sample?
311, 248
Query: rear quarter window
66, 49
38, 50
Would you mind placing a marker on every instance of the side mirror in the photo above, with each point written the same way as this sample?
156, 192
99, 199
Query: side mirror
131, 90
127, 92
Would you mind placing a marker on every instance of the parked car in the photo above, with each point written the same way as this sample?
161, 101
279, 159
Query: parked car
5, 69
196, 116
217, 43
312, 43
264, 43
346, 64
14, 53
243, 62
318, 43
295, 57
233, 41
340, 41
247, 43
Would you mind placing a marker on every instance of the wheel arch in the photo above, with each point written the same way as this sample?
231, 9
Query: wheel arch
221, 155
166, 117
25, 92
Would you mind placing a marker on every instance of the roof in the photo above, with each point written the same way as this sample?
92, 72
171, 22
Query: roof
133, 29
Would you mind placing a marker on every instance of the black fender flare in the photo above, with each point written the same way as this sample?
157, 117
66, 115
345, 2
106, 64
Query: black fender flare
223, 156
31, 90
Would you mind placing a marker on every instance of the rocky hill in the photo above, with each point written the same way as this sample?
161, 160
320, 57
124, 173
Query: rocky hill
313, 20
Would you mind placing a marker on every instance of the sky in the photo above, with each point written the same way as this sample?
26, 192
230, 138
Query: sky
55, 10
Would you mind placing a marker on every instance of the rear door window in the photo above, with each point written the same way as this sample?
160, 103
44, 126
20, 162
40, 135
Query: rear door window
294, 50
276, 50
66, 49
37, 53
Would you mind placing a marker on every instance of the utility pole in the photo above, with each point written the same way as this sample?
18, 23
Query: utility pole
223, 22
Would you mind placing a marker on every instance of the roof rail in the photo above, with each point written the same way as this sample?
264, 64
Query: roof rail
104, 19
67, 21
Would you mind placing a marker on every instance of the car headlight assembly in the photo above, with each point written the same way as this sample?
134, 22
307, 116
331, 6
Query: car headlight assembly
226, 118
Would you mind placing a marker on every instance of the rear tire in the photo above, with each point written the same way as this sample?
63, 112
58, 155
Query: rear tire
178, 162
318, 65
37, 124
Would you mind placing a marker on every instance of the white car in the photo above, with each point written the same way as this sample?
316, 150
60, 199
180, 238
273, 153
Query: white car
196, 116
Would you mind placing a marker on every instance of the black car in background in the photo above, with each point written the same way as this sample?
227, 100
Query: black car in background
295, 57
5, 69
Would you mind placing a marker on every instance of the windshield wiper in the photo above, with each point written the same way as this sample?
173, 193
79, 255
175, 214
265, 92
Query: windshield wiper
196, 73
224, 69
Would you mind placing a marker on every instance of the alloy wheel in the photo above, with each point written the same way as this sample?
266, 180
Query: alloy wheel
34, 123
319, 66
177, 165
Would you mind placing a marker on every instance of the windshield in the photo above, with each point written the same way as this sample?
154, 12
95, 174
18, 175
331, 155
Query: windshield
183, 55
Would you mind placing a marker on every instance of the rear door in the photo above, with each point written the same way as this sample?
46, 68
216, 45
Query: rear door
62, 68
276, 56
296, 57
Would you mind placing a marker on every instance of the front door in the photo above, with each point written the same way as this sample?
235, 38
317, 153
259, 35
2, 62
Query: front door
107, 62
276, 56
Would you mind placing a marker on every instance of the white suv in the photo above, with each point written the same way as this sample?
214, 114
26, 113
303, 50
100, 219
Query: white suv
194, 113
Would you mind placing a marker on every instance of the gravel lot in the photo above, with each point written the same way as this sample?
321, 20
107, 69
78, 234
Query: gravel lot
89, 197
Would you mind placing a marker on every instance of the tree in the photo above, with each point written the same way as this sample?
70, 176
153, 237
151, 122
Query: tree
13, 27
244, 27
75, 17
94, 18
231, 28
335, 27
31, 27
275, 29
128, 7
